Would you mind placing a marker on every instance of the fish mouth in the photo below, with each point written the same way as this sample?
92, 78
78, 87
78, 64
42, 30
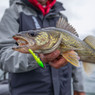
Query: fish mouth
21, 42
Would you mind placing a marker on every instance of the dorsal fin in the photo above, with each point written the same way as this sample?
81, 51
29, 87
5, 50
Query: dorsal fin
90, 40
63, 24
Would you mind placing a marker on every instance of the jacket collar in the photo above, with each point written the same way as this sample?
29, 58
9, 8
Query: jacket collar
44, 10
58, 6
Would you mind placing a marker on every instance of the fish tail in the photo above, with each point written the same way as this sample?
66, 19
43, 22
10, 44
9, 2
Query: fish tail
90, 40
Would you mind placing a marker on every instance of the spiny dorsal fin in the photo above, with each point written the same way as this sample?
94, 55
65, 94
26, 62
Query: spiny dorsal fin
63, 24
90, 40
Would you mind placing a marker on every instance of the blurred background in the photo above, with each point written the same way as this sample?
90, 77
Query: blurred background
81, 14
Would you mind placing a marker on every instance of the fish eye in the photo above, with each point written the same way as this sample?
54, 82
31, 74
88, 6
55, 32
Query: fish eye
33, 34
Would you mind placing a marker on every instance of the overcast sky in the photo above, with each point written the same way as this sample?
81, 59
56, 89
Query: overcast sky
80, 13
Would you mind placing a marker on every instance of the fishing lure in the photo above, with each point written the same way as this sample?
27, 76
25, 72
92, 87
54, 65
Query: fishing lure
40, 63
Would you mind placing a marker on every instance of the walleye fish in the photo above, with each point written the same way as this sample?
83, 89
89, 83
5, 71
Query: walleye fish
63, 37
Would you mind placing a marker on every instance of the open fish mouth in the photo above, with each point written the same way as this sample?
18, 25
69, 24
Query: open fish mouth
20, 41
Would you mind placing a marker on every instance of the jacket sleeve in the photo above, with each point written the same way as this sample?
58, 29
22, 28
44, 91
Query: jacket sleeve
78, 79
12, 61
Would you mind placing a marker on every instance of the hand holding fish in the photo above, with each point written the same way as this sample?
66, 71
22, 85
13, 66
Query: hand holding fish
54, 59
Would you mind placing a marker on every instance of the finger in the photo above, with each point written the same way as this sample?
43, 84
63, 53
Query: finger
58, 63
49, 57
52, 56
43, 58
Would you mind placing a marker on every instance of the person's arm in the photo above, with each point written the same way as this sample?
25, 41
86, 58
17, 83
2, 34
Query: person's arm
12, 61
78, 81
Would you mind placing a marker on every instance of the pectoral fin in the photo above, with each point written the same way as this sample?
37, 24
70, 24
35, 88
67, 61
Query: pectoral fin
72, 57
